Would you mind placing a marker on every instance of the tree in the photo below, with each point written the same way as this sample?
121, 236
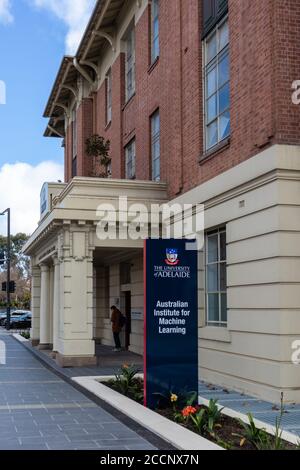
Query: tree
20, 271
19, 261
21, 297
98, 148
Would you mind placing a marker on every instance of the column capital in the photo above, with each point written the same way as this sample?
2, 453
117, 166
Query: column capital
44, 268
35, 271
56, 260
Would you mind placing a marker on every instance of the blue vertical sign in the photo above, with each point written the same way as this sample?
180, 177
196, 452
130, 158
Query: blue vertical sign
171, 319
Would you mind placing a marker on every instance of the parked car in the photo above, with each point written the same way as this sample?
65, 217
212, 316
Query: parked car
19, 322
2, 313
14, 313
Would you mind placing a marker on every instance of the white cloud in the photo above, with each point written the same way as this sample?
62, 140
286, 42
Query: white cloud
74, 13
5, 12
20, 186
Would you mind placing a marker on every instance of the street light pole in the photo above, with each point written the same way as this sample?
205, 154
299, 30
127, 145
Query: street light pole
7, 211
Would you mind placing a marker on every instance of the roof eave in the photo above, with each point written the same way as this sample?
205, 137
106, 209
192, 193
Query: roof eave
67, 59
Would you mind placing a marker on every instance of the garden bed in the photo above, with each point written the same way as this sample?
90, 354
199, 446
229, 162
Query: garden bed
206, 421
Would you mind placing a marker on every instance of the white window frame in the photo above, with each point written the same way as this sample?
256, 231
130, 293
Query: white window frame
108, 96
219, 322
155, 50
130, 160
155, 137
130, 63
208, 66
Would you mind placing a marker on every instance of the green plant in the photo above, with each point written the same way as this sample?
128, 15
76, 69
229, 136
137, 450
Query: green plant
200, 420
191, 398
128, 373
251, 432
225, 445
25, 334
182, 399
260, 438
214, 413
98, 148
127, 383
274, 442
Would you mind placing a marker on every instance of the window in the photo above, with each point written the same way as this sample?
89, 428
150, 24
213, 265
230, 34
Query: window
217, 85
216, 278
130, 160
212, 13
154, 30
74, 167
155, 146
74, 134
130, 64
74, 144
108, 97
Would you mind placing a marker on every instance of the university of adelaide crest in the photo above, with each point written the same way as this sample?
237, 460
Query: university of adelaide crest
172, 256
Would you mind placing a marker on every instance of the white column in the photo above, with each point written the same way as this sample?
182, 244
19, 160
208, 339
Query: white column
76, 345
51, 299
56, 302
45, 306
35, 304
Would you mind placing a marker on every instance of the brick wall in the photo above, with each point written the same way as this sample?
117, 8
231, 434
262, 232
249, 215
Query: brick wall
68, 154
264, 58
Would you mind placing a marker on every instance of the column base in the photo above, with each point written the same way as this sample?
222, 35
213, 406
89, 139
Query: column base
35, 342
75, 361
44, 347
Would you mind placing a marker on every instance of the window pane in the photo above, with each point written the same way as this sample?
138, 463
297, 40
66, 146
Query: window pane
223, 246
130, 65
211, 48
155, 124
212, 278
212, 248
74, 167
156, 149
223, 70
130, 43
213, 307
130, 160
224, 125
224, 98
223, 36
212, 134
211, 79
223, 277
155, 145
155, 51
224, 308
212, 108
156, 169
155, 28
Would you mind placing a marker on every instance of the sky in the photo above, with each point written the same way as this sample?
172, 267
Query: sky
34, 35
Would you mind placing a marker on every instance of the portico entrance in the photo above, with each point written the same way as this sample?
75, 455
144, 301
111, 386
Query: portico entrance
77, 275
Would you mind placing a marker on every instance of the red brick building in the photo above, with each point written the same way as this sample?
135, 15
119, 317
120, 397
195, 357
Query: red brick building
195, 97
263, 63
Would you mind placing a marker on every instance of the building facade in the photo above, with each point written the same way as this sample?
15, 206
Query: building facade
195, 99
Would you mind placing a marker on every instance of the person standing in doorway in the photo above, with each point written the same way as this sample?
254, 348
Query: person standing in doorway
116, 321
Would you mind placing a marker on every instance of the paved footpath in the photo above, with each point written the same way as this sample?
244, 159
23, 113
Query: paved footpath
40, 411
